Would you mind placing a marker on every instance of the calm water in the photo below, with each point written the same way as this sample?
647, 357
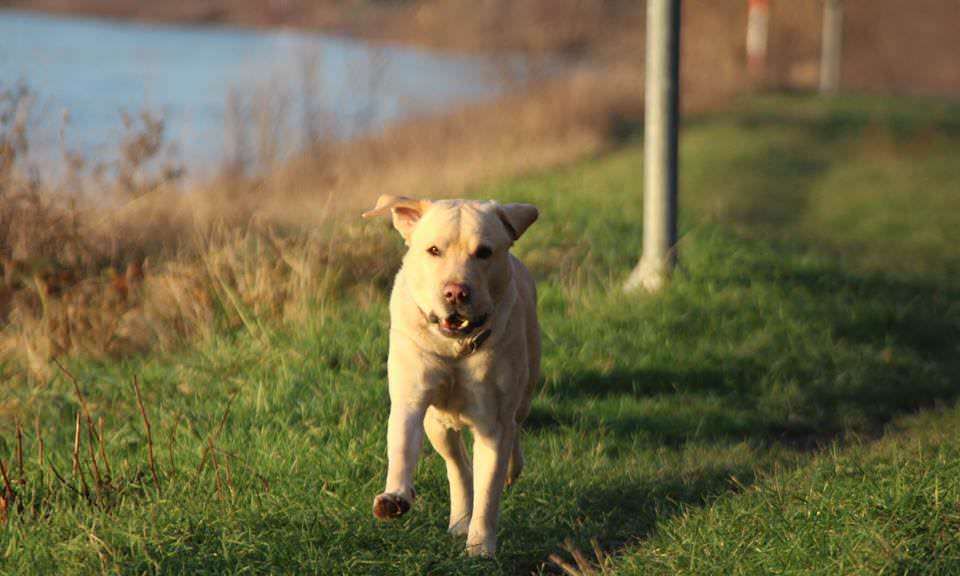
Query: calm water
96, 69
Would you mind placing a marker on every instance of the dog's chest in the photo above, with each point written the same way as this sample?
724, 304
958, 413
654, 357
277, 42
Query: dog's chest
457, 397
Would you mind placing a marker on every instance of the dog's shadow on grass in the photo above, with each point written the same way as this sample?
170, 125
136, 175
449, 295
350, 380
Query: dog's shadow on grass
614, 514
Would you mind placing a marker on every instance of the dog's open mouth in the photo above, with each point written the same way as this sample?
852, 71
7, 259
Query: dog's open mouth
460, 326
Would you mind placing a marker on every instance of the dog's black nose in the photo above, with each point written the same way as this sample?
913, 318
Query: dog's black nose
455, 293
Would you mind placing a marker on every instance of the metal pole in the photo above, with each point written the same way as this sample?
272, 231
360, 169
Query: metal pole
660, 147
831, 46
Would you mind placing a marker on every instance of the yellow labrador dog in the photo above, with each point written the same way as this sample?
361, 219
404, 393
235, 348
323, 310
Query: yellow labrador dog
464, 351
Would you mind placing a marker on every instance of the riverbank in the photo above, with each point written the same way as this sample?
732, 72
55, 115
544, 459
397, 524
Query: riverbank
555, 26
889, 45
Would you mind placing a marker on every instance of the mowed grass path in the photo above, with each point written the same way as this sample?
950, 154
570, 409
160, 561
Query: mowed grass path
725, 426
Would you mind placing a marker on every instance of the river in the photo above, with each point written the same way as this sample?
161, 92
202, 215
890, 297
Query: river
204, 81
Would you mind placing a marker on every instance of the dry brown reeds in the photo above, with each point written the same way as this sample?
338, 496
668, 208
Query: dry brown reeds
158, 261
582, 565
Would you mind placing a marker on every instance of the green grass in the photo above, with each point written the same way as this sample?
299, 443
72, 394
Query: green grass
726, 426
889, 507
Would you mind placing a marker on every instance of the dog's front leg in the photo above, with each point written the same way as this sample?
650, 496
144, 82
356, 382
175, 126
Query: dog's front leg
404, 440
491, 457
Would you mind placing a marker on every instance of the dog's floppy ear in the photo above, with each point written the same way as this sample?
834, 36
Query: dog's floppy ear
517, 218
406, 212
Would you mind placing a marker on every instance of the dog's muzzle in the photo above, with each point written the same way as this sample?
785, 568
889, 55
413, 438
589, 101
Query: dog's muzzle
470, 332
459, 326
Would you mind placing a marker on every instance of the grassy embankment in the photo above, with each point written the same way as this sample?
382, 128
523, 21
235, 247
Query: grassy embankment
726, 425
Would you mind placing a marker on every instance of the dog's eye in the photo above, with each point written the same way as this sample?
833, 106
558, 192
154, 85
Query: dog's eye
433, 251
483, 252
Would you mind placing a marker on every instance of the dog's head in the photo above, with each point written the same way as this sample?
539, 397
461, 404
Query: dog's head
456, 267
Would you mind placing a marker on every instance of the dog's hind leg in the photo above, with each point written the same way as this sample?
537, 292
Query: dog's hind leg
515, 467
448, 442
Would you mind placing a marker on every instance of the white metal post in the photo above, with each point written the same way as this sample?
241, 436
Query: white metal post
660, 147
831, 46
758, 24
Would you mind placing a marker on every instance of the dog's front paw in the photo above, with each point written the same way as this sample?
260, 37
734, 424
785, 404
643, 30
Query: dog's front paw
388, 506
483, 547
459, 527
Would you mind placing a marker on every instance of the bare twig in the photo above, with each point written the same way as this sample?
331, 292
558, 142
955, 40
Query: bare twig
172, 466
76, 446
212, 439
583, 564
254, 472
229, 474
77, 469
103, 450
97, 478
91, 432
9, 495
564, 565
264, 482
216, 473
146, 424
23, 478
602, 556
62, 481
40, 448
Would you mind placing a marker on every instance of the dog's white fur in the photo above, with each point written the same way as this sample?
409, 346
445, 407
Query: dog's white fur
438, 382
